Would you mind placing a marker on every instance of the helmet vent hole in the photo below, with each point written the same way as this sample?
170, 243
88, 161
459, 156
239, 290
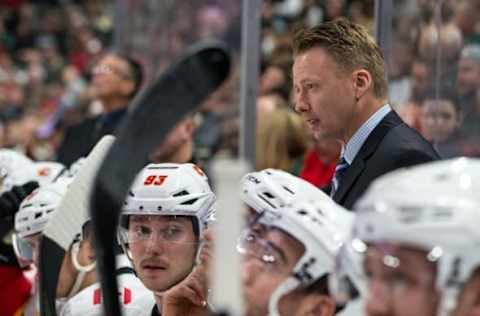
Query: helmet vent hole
141, 207
302, 212
181, 193
288, 190
268, 194
38, 215
189, 202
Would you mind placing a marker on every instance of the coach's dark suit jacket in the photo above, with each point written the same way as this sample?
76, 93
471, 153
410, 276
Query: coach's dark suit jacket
391, 145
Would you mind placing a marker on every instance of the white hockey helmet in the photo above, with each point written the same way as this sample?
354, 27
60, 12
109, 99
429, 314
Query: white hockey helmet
36, 208
48, 171
272, 189
321, 227
434, 207
172, 189
348, 281
15, 169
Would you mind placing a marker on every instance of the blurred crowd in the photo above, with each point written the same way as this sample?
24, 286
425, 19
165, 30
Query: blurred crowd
48, 50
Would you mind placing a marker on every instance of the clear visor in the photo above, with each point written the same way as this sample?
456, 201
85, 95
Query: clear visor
145, 231
348, 281
23, 250
396, 270
265, 244
252, 244
142, 233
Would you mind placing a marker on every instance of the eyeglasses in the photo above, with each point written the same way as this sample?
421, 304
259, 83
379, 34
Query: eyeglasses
105, 69
23, 248
252, 245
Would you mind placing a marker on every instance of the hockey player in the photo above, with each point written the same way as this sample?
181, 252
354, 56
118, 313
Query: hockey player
30, 221
19, 176
279, 192
48, 171
78, 290
167, 209
17, 169
289, 246
418, 229
85, 297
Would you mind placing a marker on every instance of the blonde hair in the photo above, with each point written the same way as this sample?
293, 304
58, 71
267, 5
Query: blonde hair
350, 45
281, 139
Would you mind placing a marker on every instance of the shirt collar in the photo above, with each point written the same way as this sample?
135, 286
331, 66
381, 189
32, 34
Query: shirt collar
351, 149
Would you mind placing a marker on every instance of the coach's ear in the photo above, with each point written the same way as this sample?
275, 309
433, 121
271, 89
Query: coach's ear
318, 305
362, 82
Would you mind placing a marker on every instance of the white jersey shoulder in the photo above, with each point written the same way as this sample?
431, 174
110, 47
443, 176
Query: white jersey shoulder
134, 297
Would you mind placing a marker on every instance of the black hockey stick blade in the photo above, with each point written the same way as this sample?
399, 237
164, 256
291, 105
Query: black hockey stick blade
178, 91
65, 223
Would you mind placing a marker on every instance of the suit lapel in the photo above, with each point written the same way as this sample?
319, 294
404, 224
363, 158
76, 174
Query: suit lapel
368, 148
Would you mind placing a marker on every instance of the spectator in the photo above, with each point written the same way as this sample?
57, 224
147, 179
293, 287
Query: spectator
281, 141
320, 161
468, 83
441, 119
420, 76
466, 17
116, 80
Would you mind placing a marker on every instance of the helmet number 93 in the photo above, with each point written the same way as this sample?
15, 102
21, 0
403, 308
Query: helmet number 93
154, 180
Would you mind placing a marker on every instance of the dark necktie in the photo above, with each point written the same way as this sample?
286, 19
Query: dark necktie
340, 170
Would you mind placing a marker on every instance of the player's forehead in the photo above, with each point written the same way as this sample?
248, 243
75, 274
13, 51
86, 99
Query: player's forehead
401, 256
160, 219
290, 247
34, 238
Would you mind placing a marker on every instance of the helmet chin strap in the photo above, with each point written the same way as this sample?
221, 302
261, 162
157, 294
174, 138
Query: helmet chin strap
448, 301
286, 287
82, 270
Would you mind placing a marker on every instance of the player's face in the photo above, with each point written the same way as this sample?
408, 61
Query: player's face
469, 300
401, 282
169, 149
323, 95
269, 259
162, 248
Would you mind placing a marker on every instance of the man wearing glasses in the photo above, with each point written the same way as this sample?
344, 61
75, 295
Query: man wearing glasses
115, 81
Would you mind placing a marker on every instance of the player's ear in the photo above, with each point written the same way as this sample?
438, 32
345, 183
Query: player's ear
318, 305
